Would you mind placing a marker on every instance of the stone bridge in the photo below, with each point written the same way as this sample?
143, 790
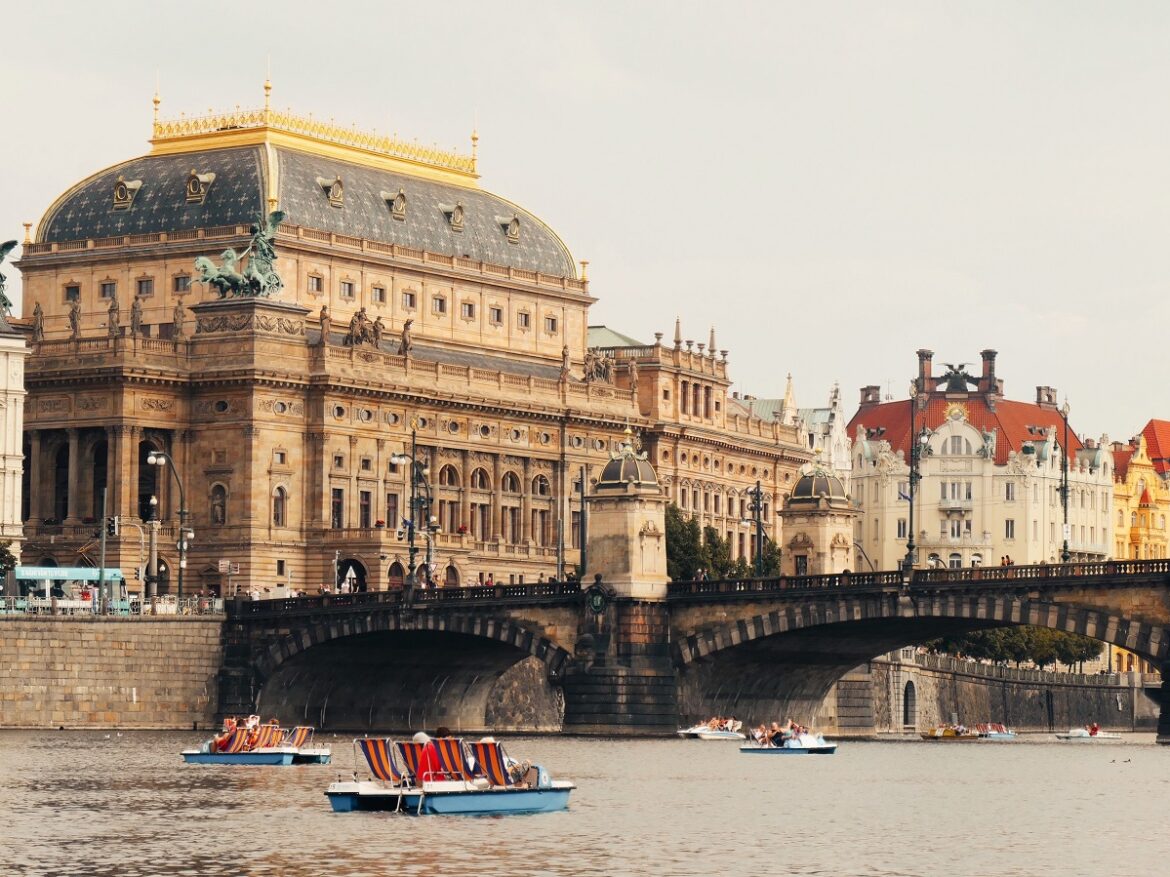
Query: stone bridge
543, 656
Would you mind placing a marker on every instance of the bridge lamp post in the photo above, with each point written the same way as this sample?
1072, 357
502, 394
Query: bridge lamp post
152, 555
919, 447
756, 507
1065, 556
157, 458
420, 503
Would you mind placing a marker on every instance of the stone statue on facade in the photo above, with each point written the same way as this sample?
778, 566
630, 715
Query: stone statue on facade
378, 330
259, 278
38, 326
632, 373
178, 318
406, 343
957, 378
136, 317
113, 317
598, 366
361, 330
988, 449
75, 320
566, 363
326, 325
5, 302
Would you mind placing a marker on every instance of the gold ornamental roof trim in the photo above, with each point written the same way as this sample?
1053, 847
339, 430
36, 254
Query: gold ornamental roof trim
264, 125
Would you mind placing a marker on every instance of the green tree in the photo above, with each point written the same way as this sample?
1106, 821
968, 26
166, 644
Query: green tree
7, 558
684, 545
717, 552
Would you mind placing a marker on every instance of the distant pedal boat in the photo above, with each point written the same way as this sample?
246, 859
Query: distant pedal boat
1083, 735
487, 790
273, 747
801, 744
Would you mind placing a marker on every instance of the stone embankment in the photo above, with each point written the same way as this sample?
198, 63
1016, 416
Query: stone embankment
97, 672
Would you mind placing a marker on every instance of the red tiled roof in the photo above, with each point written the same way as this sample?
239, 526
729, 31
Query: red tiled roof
1121, 462
1010, 420
1145, 498
1157, 434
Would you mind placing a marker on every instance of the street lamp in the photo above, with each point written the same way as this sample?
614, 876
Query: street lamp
1064, 552
152, 556
919, 447
756, 507
158, 458
420, 504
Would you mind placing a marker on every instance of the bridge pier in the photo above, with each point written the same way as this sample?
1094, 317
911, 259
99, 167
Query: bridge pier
1164, 707
623, 681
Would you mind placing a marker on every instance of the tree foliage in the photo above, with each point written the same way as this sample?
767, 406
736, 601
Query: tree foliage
690, 548
7, 558
1040, 645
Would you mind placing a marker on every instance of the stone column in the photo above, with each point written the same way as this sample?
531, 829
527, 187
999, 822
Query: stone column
381, 513
71, 514
36, 489
526, 502
497, 496
465, 495
353, 516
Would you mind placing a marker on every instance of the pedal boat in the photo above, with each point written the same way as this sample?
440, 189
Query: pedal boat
950, 735
704, 732
488, 790
275, 747
802, 744
1083, 735
995, 732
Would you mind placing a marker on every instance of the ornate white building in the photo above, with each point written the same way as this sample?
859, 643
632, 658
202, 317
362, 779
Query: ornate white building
990, 471
13, 352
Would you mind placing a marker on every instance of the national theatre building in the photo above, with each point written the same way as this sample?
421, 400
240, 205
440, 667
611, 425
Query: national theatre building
312, 323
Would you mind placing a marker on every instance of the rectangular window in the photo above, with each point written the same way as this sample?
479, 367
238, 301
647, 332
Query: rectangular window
956, 529
378, 295
347, 289
146, 287
337, 508
467, 310
1035, 531
279, 457
718, 504
109, 289
1009, 529
338, 461
365, 509
496, 316
72, 292
902, 528
408, 300
280, 568
1009, 492
438, 305
367, 464
316, 283
181, 283
392, 468
550, 325
392, 519
523, 320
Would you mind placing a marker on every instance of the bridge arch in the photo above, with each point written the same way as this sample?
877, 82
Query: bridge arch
400, 671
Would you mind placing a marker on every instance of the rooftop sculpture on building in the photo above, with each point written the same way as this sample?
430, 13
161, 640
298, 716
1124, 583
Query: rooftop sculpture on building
5, 302
260, 278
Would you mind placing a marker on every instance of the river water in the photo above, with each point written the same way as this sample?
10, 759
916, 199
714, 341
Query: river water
82, 803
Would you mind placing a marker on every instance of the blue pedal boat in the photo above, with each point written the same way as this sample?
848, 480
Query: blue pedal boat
490, 788
267, 744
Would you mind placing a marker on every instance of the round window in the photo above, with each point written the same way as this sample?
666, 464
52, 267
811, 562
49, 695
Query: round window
339, 411
545, 438
515, 434
365, 415
280, 407
599, 444
578, 441
422, 423
392, 418
452, 427
220, 406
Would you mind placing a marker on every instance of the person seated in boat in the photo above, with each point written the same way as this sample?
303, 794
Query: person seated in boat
220, 740
1093, 729
428, 759
776, 734
760, 735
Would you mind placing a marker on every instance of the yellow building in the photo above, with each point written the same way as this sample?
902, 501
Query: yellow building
417, 310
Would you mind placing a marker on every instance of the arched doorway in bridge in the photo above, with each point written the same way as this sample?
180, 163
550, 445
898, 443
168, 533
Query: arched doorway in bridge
451, 577
910, 706
395, 576
351, 576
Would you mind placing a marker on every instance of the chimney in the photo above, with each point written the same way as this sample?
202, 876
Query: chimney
924, 358
987, 385
1046, 397
871, 395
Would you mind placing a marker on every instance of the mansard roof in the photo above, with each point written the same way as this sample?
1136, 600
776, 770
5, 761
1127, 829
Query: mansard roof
1157, 434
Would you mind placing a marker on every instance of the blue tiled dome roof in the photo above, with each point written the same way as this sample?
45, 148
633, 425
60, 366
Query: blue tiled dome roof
237, 196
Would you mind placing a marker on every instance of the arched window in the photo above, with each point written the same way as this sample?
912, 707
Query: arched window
909, 706
279, 501
395, 576
540, 486
955, 560
448, 477
218, 511
451, 578
1133, 519
510, 483
480, 480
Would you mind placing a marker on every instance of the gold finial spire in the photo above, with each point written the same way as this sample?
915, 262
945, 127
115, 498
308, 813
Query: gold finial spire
475, 148
584, 270
27, 232
267, 84
157, 99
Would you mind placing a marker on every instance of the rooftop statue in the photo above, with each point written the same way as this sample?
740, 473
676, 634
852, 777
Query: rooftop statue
259, 278
957, 378
5, 303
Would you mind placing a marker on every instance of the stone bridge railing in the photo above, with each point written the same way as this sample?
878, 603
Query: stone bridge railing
541, 593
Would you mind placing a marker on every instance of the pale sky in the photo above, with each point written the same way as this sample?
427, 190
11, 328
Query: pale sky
831, 185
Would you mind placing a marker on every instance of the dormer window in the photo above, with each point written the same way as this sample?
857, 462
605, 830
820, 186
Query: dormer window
510, 227
334, 190
197, 186
124, 192
454, 214
397, 204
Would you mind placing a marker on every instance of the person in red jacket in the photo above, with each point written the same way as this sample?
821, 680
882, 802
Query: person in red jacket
428, 762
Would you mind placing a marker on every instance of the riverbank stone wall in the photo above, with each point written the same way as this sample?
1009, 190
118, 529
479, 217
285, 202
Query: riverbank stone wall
97, 672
